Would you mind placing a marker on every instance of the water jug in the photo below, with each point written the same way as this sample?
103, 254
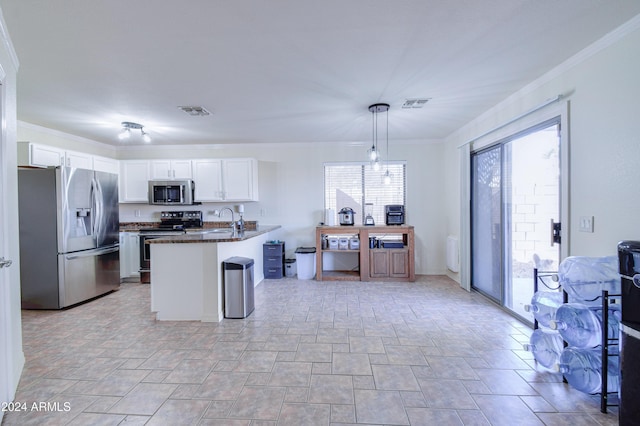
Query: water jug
544, 305
546, 345
583, 370
581, 325
584, 278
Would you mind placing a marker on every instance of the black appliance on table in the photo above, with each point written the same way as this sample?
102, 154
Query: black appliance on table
171, 223
394, 214
629, 263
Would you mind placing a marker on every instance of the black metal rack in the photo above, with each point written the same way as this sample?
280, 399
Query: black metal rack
606, 343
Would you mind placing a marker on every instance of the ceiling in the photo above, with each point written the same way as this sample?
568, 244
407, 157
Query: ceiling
286, 70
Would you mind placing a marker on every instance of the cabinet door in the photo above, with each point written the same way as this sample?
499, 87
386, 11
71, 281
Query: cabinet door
134, 181
104, 164
398, 263
160, 169
240, 179
124, 258
379, 263
134, 254
171, 169
207, 176
45, 156
181, 169
78, 159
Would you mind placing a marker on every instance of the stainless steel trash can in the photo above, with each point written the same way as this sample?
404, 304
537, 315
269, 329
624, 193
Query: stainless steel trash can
238, 287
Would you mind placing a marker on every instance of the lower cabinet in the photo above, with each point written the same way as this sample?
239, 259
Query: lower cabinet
129, 255
383, 253
389, 263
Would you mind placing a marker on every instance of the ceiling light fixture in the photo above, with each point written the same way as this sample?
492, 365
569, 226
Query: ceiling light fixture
126, 131
374, 151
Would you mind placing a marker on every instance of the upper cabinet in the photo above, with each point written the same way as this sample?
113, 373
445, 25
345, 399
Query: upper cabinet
134, 178
207, 176
240, 179
31, 154
171, 169
104, 164
36, 155
230, 179
79, 160
216, 180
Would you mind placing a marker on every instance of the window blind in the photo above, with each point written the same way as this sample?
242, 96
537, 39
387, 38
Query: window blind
358, 186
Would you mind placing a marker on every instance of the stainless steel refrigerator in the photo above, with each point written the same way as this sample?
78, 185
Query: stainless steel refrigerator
69, 245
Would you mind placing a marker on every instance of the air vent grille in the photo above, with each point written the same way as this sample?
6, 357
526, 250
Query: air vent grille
415, 103
195, 110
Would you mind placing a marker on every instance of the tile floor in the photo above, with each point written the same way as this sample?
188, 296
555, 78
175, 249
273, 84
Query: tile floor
312, 353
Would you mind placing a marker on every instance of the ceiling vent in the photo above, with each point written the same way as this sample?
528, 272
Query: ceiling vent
195, 110
415, 103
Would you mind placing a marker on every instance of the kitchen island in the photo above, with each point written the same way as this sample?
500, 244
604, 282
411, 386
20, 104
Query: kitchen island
187, 275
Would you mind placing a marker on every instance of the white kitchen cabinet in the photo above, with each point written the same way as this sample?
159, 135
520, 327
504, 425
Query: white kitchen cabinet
171, 169
240, 179
78, 160
207, 176
232, 179
104, 164
35, 155
134, 181
129, 255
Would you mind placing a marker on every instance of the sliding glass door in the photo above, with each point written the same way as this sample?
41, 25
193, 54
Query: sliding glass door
515, 202
486, 222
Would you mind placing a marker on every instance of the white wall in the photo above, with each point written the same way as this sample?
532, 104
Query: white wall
291, 189
604, 176
291, 186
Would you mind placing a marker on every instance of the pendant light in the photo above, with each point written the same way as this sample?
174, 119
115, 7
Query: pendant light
373, 153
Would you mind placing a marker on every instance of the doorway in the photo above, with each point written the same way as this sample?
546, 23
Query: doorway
5, 298
515, 201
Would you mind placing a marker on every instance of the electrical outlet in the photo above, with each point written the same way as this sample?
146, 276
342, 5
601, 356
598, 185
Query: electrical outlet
586, 224
263, 212
136, 213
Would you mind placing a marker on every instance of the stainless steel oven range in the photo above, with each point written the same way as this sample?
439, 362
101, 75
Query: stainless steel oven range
171, 223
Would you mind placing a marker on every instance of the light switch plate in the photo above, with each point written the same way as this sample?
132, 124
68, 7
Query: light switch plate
586, 224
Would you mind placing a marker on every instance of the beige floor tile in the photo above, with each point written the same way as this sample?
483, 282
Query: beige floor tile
328, 353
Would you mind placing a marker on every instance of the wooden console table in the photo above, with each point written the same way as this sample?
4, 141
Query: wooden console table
375, 264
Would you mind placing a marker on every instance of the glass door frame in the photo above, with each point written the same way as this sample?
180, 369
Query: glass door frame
558, 120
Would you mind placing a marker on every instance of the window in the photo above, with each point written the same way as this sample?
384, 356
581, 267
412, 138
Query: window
358, 186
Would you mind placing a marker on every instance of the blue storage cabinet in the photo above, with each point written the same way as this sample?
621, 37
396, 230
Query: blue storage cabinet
273, 260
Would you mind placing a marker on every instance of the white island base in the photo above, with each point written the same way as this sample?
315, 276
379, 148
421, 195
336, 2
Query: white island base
187, 279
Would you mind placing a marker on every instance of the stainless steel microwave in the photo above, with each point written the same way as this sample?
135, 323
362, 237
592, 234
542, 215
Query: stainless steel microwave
171, 192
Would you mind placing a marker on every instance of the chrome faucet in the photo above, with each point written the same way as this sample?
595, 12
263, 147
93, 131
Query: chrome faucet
233, 222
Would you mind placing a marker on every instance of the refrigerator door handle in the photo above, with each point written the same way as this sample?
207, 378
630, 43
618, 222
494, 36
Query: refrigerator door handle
94, 209
89, 253
98, 209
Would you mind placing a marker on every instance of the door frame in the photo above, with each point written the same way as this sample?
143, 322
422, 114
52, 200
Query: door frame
547, 111
12, 358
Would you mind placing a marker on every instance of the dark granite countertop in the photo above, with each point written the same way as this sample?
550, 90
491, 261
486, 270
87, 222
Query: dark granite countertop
212, 235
